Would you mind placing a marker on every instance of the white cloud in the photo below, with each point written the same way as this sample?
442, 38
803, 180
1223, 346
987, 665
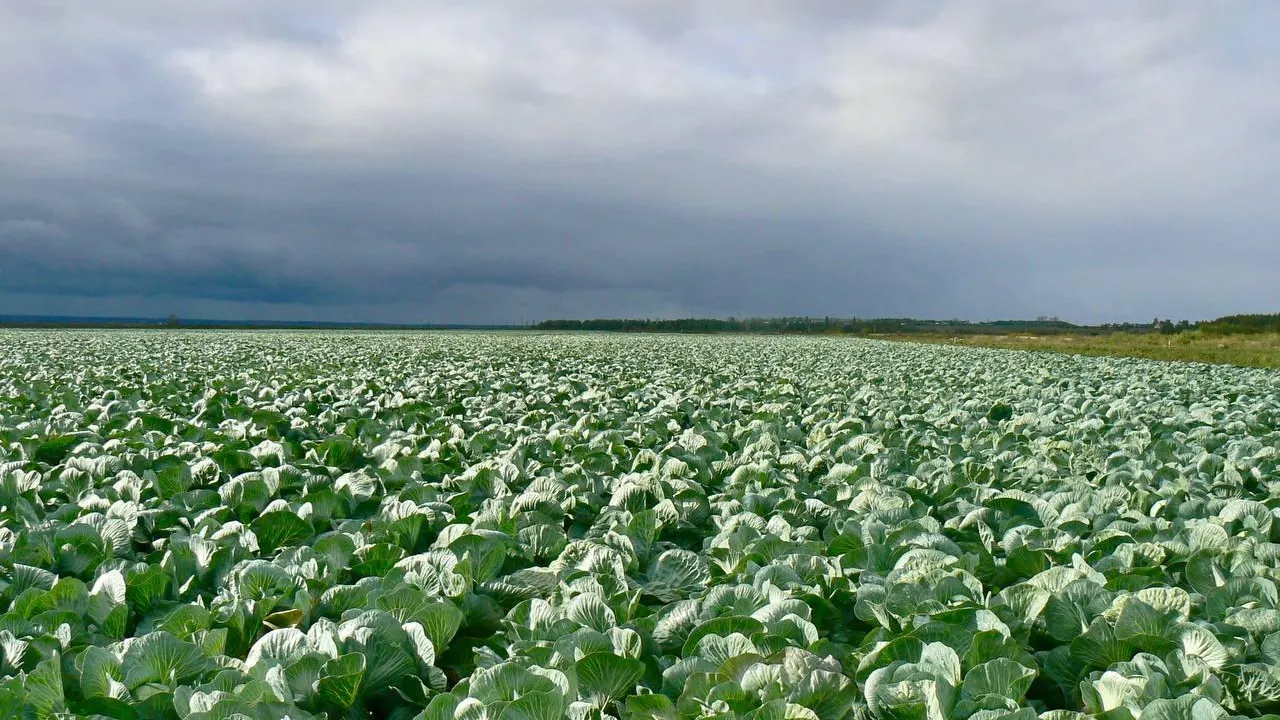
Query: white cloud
1076, 109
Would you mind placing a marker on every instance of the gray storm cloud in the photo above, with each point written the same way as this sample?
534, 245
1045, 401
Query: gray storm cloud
503, 161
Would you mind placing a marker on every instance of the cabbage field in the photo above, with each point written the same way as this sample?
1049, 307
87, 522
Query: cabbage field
269, 525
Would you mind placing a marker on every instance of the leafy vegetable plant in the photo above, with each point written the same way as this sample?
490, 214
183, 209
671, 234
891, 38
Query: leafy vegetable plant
433, 526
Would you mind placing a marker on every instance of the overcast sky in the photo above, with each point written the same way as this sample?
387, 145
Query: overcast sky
508, 160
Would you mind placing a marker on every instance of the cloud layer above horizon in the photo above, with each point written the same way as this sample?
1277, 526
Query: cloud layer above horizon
503, 160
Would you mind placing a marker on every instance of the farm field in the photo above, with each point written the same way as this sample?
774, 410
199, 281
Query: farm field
268, 525
1249, 350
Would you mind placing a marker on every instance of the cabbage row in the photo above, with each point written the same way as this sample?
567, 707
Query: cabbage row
217, 526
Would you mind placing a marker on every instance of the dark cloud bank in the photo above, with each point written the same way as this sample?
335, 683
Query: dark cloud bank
503, 161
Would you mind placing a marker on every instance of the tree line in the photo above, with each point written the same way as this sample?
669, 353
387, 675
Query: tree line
1233, 324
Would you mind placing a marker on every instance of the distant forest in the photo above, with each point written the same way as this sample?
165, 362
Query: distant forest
1230, 325
1243, 324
